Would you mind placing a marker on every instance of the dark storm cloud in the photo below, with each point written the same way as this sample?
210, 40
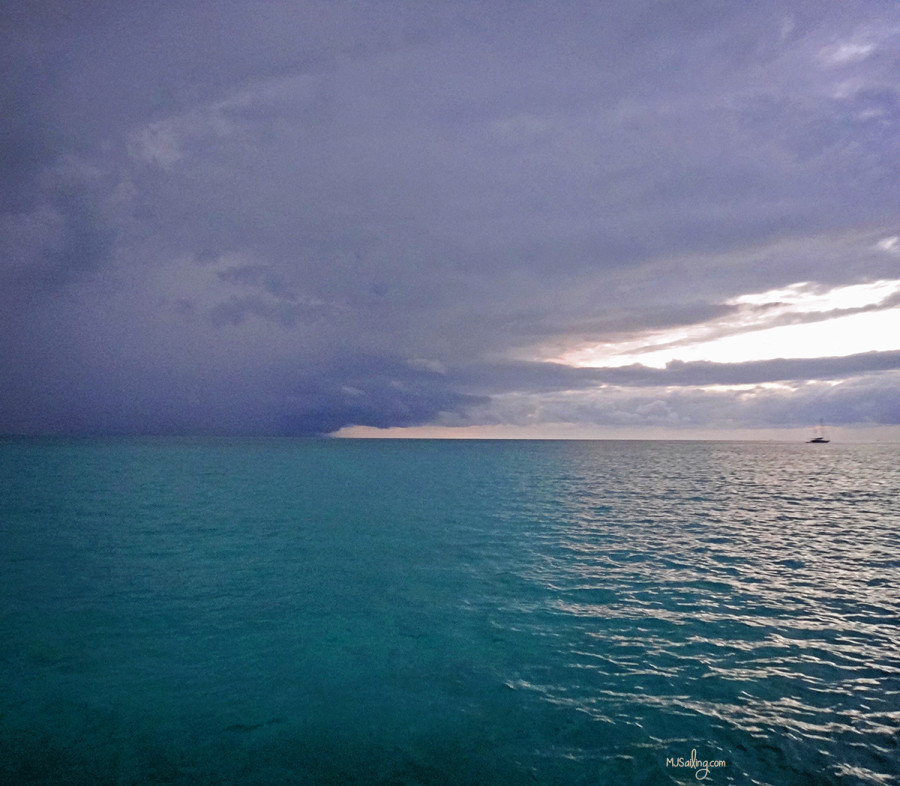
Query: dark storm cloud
546, 377
227, 220
283, 398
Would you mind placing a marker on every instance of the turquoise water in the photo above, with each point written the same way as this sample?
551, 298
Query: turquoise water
424, 612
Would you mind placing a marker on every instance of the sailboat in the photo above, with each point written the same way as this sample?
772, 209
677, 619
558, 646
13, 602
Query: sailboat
819, 438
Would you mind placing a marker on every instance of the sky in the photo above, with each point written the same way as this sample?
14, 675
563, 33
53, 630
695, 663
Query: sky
627, 219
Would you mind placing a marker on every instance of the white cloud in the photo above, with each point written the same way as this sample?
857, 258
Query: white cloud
846, 52
157, 143
890, 244
806, 297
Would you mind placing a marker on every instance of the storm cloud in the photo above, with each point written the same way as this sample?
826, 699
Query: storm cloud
291, 218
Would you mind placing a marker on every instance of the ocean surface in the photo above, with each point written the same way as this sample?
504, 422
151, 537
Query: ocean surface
277, 611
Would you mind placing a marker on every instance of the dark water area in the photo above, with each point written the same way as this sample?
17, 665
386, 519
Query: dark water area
189, 611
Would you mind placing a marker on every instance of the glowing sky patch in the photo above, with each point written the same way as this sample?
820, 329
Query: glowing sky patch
854, 319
